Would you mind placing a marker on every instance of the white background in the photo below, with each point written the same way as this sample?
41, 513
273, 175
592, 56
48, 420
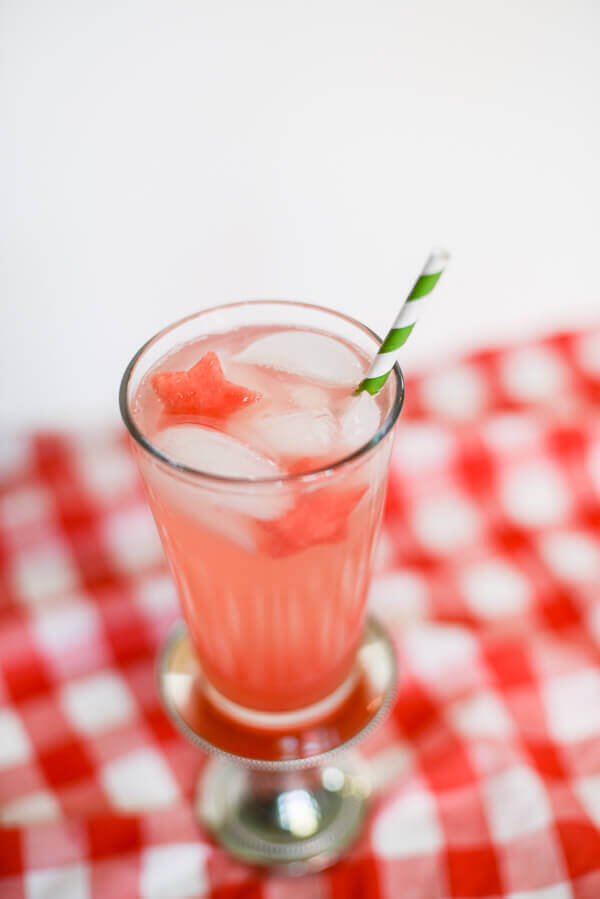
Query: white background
162, 156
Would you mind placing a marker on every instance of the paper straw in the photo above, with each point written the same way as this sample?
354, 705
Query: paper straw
405, 321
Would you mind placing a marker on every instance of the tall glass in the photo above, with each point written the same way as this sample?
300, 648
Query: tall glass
275, 633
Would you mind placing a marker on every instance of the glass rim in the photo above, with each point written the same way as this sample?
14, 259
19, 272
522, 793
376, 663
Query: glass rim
141, 439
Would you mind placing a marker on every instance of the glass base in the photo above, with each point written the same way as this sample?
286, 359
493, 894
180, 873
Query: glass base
291, 798
298, 822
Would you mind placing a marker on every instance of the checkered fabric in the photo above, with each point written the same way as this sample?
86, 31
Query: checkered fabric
488, 769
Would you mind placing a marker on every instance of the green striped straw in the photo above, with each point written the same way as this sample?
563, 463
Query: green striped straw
405, 321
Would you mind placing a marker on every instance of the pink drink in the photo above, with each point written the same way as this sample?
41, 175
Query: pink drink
272, 563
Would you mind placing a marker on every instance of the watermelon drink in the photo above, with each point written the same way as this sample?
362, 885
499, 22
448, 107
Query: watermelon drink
266, 477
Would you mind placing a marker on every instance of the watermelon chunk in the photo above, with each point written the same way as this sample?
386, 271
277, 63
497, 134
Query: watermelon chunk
318, 517
203, 390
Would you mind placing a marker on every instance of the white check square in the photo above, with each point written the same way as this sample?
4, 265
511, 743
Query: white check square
399, 597
572, 704
446, 522
389, 764
408, 826
139, 780
458, 393
33, 808
572, 555
25, 506
68, 882
495, 589
481, 715
558, 891
97, 703
133, 540
60, 630
534, 373
422, 446
15, 746
588, 793
108, 471
44, 572
516, 803
535, 494
175, 871
440, 654
156, 596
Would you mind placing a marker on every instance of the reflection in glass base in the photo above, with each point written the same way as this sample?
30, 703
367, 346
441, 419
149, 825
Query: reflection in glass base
281, 721
288, 798
299, 821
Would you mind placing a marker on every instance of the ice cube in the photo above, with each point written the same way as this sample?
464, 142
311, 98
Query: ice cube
359, 420
180, 494
212, 452
305, 353
253, 377
308, 396
225, 521
301, 432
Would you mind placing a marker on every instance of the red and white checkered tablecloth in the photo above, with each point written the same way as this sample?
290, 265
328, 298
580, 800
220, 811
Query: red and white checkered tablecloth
489, 575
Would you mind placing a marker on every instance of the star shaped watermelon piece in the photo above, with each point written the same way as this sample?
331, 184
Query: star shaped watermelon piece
203, 390
318, 517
